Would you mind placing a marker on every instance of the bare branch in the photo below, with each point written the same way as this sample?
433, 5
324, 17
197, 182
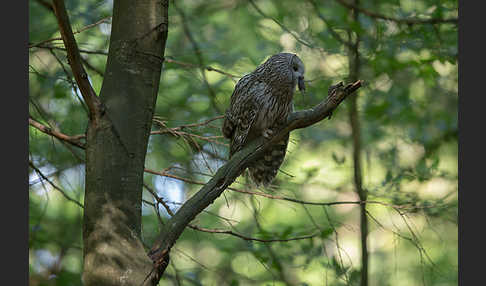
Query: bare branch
166, 59
177, 131
73, 140
208, 68
329, 27
91, 67
199, 124
222, 231
211, 139
53, 185
159, 200
197, 53
106, 19
43, 46
293, 34
69, 78
404, 206
74, 59
45, 4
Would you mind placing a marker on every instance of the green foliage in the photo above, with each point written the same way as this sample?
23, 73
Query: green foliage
408, 117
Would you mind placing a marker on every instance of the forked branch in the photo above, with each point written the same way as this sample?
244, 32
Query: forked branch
228, 173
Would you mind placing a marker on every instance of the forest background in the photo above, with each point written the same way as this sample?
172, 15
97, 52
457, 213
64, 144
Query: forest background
394, 143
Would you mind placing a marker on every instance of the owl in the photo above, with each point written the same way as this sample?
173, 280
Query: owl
260, 105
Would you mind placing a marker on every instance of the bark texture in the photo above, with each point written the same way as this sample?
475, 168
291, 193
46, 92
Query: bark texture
117, 144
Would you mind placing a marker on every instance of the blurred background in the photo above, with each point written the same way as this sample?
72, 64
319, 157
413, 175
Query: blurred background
305, 229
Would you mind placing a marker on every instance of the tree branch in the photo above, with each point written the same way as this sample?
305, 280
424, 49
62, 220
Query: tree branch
45, 4
408, 21
329, 27
167, 59
73, 140
208, 68
228, 173
74, 58
197, 53
248, 238
223, 231
406, 205
179, 133
283, 27
69, 79
106, 19
89, 52
354, 62
54, 186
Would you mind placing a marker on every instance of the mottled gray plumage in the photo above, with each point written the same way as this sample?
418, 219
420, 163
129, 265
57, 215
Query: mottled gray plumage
260, 104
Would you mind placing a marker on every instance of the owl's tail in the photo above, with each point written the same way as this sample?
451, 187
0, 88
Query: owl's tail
264, 170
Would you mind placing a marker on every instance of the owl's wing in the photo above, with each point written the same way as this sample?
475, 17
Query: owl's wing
243, 110
230, 118
228, 125
242, 129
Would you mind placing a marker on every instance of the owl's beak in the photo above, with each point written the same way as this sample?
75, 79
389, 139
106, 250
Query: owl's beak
300, 84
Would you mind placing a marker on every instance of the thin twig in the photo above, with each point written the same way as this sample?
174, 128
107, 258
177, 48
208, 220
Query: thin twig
296, 37
54, 186
91, 67
329, 27
102, 53
222, 231
197, 53
162, 123
210, 139
167, 59
276, 197
75, 32
248, 238
69, 78
208, 68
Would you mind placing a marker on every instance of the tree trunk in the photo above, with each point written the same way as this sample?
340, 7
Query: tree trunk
117, 144
354, 73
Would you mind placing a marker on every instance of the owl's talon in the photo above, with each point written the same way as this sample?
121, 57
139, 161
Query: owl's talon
268, 133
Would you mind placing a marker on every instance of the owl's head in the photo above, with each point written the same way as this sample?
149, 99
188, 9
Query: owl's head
284, 67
